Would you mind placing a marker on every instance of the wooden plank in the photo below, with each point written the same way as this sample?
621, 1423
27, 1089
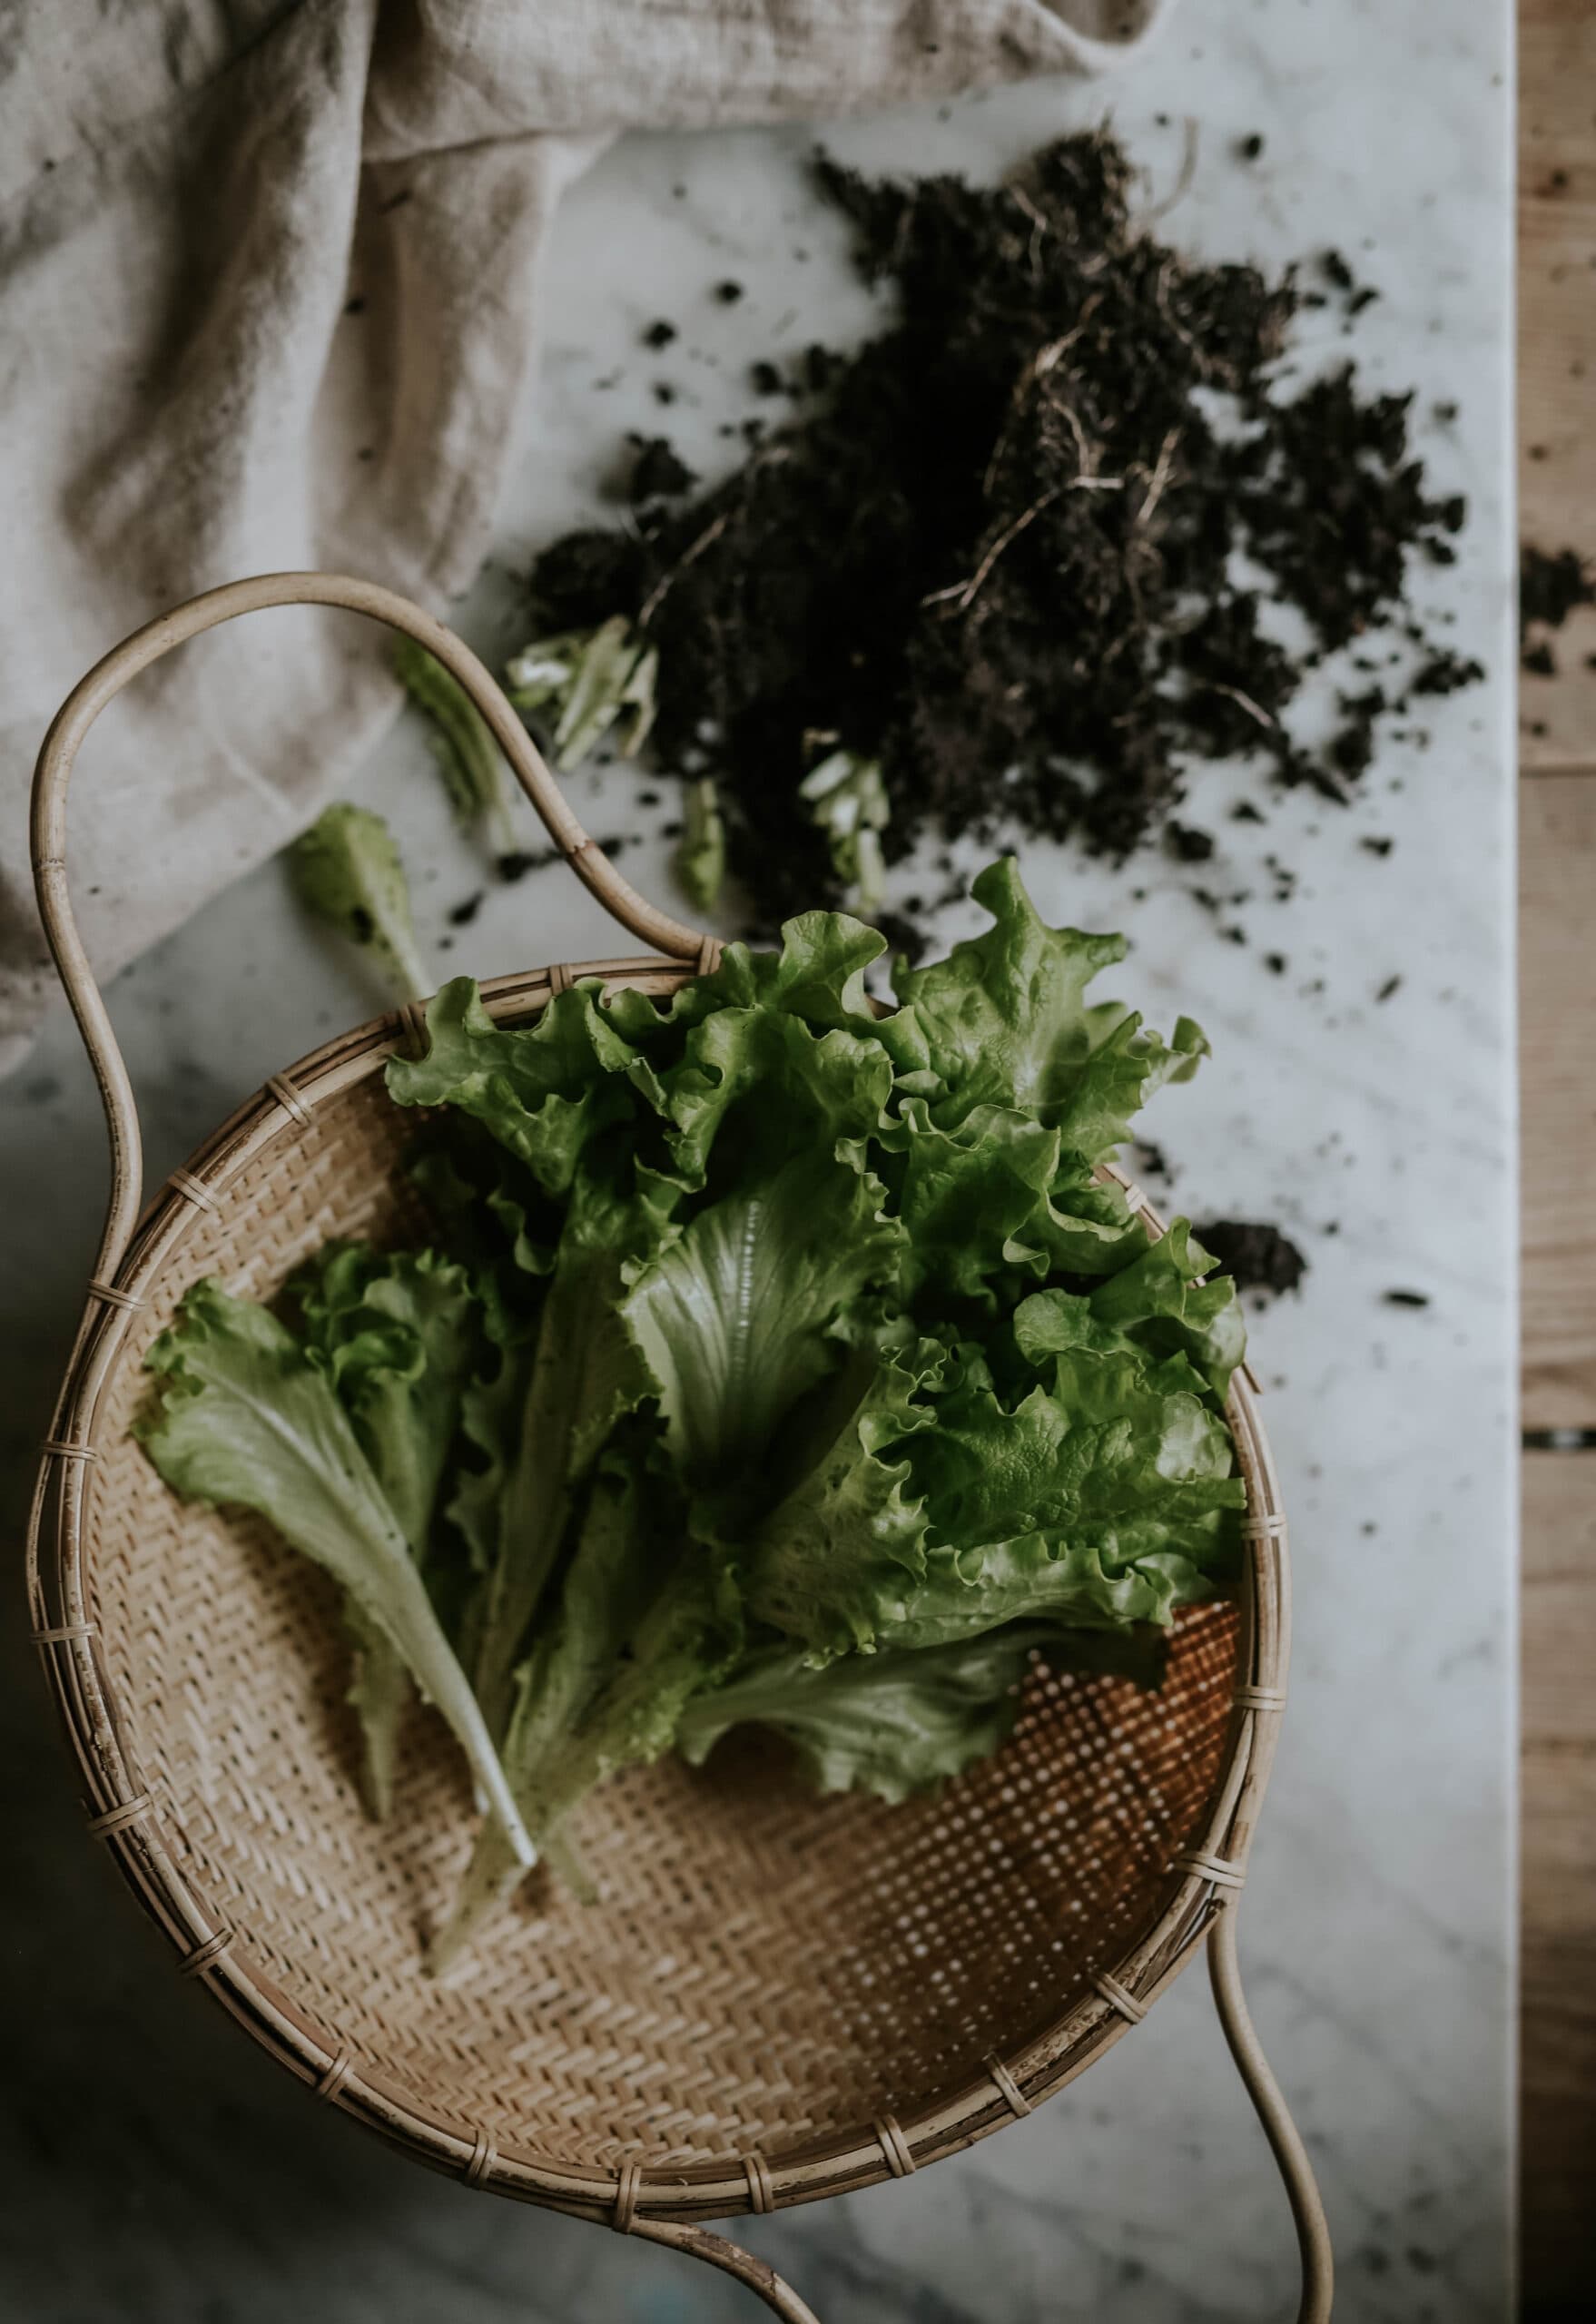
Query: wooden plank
1557, 349
1558, 1989
1557, 1037
1557, 953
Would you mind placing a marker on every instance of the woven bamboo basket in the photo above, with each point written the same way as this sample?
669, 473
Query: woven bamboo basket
778, 1998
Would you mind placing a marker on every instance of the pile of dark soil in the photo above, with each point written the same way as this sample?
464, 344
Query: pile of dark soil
1021, 548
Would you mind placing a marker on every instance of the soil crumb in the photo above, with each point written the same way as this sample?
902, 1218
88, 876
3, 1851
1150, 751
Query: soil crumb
1259, 1256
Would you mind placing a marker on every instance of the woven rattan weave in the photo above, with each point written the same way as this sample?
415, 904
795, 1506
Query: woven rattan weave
778, 1997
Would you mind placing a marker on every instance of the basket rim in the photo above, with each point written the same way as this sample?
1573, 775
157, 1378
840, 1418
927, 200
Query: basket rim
121, 1811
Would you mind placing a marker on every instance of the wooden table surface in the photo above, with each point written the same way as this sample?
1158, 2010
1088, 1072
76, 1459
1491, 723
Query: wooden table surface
1557, 826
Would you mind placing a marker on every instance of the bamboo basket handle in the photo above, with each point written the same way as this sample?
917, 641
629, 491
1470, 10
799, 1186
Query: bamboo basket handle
1291, 2156
701, 2243
88, 698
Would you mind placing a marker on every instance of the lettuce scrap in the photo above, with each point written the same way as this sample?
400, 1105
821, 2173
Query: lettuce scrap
468, 758
347, 870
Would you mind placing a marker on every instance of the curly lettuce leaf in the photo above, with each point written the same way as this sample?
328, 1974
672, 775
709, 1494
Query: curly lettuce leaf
1158, 1302
846, 1542
545, 1090
1079, 1226
1006, 1023
970, 1198
399, 1334
493, 1220
1106, 1441
754, 1084
818, 976
246, 1416
1103, 1497
736, 1320
892, 1723
585, 1374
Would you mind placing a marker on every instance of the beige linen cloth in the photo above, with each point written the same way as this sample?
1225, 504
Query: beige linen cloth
188, 192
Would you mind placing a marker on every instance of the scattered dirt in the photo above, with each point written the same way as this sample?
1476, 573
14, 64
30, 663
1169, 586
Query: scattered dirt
1026, 547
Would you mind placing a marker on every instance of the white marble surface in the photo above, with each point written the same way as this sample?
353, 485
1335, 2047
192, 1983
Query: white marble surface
154, 2165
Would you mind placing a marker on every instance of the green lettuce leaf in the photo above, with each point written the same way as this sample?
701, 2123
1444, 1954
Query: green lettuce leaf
844, 1548
687, 1639
493, 1218
1158, 1302
399, 1333
1006, 1024
617, 1567
1104, 1497
905, 1719
1105, 1436
763, 1079
971, 1197
892, 1723
584, 1376
546, 1091
818, 976
380, 1694
246, 1416
490, 1428
689, 1636
736, 1320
